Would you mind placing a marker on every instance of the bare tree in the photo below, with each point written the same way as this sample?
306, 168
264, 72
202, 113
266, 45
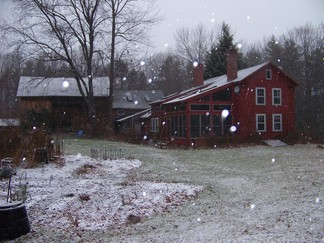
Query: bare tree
10, 65
129, 23
309, 40
76, 31
60, 29
192, 44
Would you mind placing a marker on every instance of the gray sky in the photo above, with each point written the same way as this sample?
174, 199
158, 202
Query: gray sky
250, 20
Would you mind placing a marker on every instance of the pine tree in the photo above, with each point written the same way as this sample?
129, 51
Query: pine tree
215, 62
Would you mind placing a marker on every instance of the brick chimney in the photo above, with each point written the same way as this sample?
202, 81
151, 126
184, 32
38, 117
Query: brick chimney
231, 64
198, 75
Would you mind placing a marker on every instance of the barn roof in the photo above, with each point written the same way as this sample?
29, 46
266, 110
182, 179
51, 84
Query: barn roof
213, 83
60, 86
135, 99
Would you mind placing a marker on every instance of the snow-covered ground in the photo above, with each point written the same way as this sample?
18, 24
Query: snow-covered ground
248, 194
91, 194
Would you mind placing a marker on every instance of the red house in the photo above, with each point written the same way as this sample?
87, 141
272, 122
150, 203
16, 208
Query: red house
257, 101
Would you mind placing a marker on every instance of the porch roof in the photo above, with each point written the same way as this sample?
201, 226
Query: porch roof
143, 114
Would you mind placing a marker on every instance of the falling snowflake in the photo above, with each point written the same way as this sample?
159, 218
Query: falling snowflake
233, 128
65, 84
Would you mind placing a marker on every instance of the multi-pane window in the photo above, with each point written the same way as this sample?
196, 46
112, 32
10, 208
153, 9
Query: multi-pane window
261, 122
260, 97
154, 124
277, 122
178, 126
222, 125
276, 96
199, 125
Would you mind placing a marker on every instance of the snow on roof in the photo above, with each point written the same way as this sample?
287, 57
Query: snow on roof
143, 114
213, 83
241, 74
135, 99
7, 122
60, 86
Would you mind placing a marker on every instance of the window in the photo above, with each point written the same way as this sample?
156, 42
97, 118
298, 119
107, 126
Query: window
199, 107
268, 74
129, 97
222, 127
222, 95
261, 122
199, 125
260, 98
178, 126
277, 122
276, 96
147, 98
154, 124
222, 107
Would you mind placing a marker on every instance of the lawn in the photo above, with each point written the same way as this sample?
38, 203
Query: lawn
255, 193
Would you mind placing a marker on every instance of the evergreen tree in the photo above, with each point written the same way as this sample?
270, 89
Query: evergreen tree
273, 51
215, 62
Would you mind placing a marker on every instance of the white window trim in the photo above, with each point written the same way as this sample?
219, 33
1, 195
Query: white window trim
257, 123
273, 123
273, 96
256, 96
154, 122
270, 71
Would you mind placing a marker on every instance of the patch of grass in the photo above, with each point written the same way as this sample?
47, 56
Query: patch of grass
84, 169
84, 197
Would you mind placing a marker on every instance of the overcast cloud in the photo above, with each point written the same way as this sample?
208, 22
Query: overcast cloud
250, 20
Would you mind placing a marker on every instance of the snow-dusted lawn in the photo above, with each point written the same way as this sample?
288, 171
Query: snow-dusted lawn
249, 194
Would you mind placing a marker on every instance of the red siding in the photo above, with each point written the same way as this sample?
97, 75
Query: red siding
244, 108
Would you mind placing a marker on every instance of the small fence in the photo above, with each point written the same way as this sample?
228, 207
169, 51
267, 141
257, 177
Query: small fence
107, 153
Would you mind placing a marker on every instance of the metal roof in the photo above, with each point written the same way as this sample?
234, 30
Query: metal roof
61, 86
215, 82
